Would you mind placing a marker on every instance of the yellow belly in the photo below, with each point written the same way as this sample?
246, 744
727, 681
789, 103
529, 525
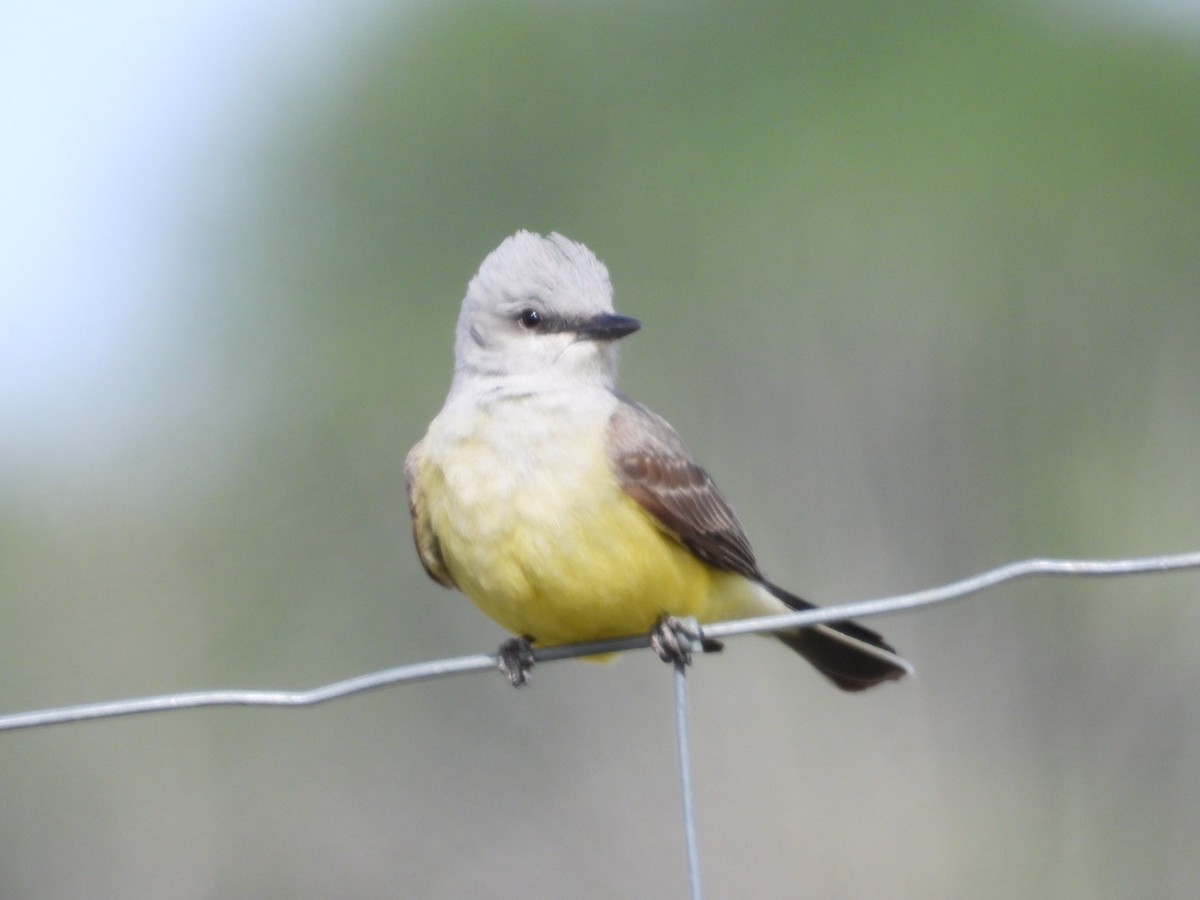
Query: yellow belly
557, 551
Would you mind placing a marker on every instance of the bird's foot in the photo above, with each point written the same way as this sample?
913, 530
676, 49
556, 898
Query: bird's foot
515, 659
674, 639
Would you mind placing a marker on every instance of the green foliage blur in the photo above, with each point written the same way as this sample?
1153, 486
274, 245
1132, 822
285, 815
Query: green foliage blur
920, 285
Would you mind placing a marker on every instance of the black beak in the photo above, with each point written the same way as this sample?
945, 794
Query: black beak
607, 327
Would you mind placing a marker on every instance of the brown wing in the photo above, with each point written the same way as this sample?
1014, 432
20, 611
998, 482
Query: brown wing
655, 468
429, 550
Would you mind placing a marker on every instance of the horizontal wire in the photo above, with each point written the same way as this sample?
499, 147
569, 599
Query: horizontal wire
957, 590
463, 664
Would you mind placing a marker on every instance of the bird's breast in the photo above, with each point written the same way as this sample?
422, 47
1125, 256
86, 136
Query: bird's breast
536, 530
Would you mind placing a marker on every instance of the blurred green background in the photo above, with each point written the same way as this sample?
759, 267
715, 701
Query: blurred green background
920, 285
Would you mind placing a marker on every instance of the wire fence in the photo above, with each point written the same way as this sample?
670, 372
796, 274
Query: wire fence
442, 668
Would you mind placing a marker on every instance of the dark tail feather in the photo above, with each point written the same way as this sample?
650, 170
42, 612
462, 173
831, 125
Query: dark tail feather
851, 656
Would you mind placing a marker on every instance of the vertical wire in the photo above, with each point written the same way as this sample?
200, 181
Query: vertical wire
685, 780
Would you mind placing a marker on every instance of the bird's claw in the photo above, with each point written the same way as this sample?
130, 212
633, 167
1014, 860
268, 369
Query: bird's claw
674, 639
515, 659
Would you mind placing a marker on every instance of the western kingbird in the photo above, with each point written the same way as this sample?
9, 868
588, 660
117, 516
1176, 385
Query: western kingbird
568, 512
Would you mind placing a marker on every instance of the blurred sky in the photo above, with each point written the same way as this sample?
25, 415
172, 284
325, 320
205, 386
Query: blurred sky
118, 121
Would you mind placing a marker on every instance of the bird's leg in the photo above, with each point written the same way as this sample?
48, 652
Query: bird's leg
515, 659
673, 639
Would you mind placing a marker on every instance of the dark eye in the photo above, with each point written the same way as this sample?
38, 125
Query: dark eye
529, 318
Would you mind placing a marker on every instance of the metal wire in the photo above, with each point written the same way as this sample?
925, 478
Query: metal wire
958, 590
456, 666
459, 665
683, 741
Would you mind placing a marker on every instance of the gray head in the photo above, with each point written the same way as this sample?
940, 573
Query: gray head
540, 307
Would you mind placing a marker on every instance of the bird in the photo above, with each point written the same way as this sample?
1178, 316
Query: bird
568, 512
